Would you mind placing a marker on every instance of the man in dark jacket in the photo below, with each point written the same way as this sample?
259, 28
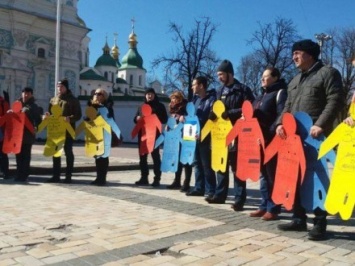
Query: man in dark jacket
71, 110
205, 177
32, 111
159, 109
318, 91
232, 93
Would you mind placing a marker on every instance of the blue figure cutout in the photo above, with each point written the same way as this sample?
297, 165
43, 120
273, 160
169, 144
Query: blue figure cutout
316, 181
103, 111
172, 139
191, 129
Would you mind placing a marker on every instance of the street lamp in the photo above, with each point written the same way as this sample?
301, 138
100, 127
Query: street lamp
321, 38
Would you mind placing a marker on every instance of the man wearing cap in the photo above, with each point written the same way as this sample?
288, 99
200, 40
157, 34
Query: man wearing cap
318, 91
232, 93
71, 110
33, 113
159, 109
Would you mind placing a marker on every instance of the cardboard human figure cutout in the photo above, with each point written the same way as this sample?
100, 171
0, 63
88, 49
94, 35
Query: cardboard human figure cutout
291, 163
57, 128
191, 130
94, 132
171, 137
15, 123
219, 130
103, 111
341, 193
250, 144
316, 181
147, 126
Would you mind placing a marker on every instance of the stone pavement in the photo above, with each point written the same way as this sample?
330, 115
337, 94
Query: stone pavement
121, 224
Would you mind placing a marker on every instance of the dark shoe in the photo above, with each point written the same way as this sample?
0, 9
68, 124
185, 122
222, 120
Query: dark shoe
53, 180
210, 196
185, 189
195, 193
237, 207
142, 182
215, 200
101, 184
257, 213
155, 183
19, 179
174, 185
318, 232
67, 181
270, 216
294, 225
95, 182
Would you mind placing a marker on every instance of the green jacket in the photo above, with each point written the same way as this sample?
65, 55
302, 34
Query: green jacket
317, 92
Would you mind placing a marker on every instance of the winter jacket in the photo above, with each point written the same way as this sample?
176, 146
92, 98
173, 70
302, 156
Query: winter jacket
157, 108
318, 92
268, 107
33, 113
204, 106
70, 106
233, 98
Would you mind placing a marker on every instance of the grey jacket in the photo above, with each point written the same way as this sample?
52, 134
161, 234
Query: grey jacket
317, 92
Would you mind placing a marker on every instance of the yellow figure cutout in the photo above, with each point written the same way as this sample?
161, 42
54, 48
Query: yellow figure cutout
219, 130
341, 192
56, 132
94, 132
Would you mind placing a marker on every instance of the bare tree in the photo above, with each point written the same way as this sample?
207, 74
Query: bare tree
191, 58
273, 45
250, 71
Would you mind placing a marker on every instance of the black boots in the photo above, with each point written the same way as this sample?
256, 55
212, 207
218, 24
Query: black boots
101, 171
319, 229
294, 225
176, 183
143, 181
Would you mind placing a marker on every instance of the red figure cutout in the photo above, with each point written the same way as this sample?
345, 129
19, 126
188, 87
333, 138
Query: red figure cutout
147, 127
250, 138
14, 123
291, 163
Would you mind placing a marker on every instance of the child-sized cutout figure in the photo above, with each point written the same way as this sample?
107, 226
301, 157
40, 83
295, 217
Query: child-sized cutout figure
57, 127
341, 193
191, 130
15, 122
316, 181
147, 126
103, 111
250, 142
94, 132
172, 139
291, 163
219, 130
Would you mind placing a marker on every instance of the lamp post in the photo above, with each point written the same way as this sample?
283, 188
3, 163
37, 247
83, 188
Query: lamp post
321, 38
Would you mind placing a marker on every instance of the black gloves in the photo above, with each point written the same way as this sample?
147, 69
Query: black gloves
212, 116
225, 115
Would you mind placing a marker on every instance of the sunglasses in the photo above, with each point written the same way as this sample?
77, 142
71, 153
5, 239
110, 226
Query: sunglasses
98, 94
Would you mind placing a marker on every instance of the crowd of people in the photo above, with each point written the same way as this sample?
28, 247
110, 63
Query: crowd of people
317, 90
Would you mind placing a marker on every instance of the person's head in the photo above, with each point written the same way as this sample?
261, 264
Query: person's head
62, 87
199, 85
305, 53
270, 76
225, 72
100, 96
149, 94
26, 94
176, 97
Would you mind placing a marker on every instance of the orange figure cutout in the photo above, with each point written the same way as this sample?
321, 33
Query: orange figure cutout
147, 126
56, 132
219, 130
291, 163
250, 140
15, 123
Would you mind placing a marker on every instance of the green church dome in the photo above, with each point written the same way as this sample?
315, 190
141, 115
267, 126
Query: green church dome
106, 59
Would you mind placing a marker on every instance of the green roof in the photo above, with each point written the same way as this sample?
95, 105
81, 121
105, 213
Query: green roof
106, 60
91, 75
132, 59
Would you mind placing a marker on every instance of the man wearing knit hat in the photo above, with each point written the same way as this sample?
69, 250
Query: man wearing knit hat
232, 93
318, 91
71, 110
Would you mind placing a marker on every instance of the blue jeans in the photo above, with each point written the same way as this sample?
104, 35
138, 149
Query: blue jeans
205, 177
266, 186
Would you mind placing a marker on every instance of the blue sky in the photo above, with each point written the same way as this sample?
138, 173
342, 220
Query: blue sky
236, 20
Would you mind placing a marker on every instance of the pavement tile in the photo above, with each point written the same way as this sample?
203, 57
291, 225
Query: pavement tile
29, 260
